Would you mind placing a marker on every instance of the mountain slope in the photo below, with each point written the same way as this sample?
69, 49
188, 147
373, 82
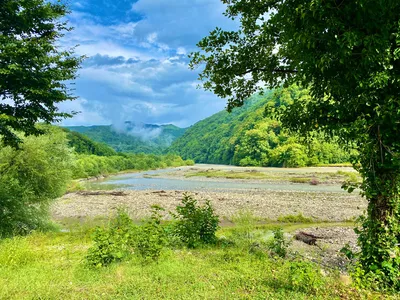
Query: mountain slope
246, 137
84, 145
133, 138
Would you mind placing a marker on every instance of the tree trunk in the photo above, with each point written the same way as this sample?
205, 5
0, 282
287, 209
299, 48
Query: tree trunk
379, 236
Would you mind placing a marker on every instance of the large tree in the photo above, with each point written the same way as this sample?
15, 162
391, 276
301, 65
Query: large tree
34, 70
347, 54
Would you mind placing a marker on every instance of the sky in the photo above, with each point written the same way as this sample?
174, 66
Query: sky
137, 61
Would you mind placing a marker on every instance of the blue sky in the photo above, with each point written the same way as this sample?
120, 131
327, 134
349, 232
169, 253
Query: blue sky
137, 65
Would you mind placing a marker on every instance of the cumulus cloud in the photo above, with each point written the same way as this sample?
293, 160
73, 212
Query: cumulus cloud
137, 65
180, 23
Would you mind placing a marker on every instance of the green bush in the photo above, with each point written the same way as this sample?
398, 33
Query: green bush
195, 225
112, 243
278, 245
305, 277
121, 238
151, 237
31, 178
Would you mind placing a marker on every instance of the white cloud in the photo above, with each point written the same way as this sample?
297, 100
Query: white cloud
138, 67
180, 23
86, 114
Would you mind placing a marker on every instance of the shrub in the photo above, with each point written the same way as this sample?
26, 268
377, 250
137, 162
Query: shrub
278, 245
195, 225
305, 277
112, 243
31, 178
151, 237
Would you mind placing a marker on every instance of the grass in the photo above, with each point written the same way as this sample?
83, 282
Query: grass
295, 219
51, 266
292, 176
300, 180
230, 174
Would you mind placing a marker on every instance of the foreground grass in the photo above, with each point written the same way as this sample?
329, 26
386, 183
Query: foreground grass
52, 266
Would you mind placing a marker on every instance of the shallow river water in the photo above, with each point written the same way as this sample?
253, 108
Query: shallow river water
145, 181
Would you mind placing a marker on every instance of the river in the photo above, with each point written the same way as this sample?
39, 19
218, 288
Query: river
162, 180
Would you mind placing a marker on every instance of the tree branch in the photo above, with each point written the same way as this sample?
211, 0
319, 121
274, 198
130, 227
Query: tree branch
267, 70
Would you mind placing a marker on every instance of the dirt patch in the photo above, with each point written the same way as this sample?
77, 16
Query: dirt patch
328, 245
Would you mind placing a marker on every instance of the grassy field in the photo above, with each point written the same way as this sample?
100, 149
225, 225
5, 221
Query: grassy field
52, 266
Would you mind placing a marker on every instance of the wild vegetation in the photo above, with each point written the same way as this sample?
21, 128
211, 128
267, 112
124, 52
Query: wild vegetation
39, 171
335, 70
144, 138
34, 70
246, 137
345, 56
123, 259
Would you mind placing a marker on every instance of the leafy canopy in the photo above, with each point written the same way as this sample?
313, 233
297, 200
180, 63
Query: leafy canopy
33, 69
31, 178
347, 54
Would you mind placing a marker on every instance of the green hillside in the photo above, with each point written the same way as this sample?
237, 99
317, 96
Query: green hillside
84, 145
145, 138
245, 137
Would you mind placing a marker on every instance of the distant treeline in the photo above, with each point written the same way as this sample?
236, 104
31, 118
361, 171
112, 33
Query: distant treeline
92, 165
94, 159
247, 137
147, 138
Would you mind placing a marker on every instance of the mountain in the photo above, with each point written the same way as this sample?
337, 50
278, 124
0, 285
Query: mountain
133, 138
246, 137
84, 145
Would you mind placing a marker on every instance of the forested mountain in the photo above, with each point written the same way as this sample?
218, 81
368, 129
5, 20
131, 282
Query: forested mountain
246, 137
84, 145
133, 138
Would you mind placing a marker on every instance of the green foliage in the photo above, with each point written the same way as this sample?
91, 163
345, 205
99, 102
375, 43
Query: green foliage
244, 234
299, 218
151, 237
121, 238
305, 276
112, 243
195, 225
49, 266
93, 165
83, 145
33, 68
346, 57
278, 245
246, 138
151, 138
31, 177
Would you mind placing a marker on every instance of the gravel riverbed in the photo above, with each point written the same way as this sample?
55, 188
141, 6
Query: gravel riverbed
321, 206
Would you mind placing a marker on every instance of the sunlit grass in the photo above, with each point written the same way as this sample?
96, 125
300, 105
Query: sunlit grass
52, 266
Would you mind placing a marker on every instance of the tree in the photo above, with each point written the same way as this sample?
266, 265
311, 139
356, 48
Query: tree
347, 55
33, 69
31, 178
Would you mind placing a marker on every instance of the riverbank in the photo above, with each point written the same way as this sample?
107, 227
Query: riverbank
269, 205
